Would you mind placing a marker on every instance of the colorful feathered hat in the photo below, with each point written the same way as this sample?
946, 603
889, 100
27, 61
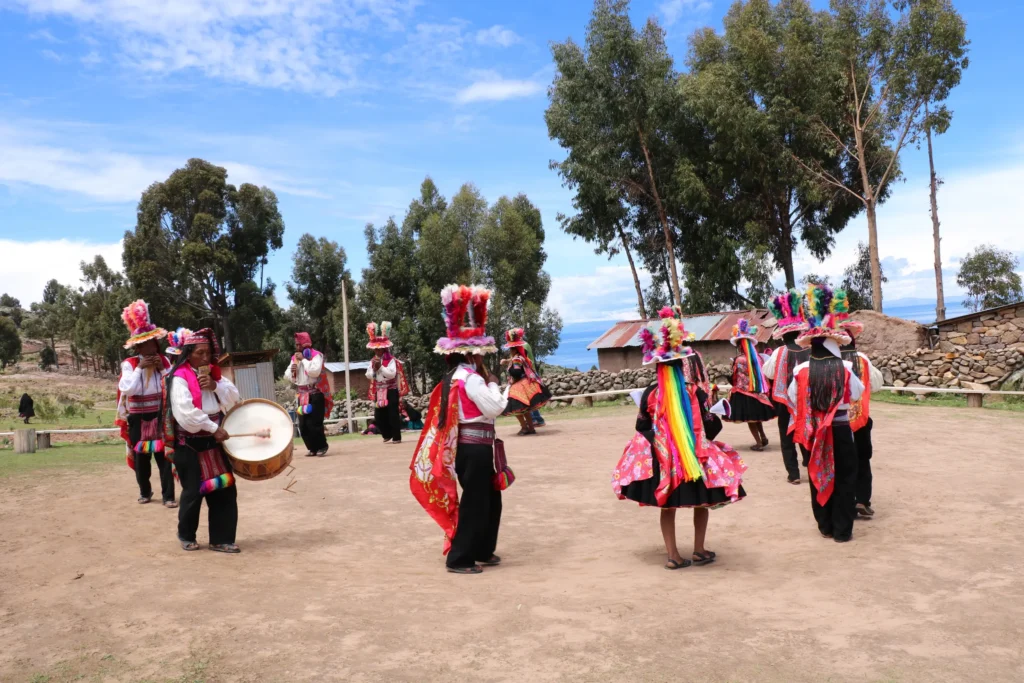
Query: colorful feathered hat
514, 339
464, 309
743, 330
843, 320
665, 340
136, 319
824, 309
380, 338
176, 339
787, 307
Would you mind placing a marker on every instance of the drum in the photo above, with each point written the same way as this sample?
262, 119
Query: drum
253, 457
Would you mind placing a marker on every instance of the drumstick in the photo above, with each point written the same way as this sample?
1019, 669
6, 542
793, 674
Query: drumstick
262, 433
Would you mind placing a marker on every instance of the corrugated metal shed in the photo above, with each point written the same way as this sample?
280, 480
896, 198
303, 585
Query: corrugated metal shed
707, 327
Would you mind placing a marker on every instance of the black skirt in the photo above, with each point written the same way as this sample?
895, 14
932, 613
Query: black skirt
689, 494
745, 408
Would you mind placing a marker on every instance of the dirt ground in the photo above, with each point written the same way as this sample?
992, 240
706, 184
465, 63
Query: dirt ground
344, 580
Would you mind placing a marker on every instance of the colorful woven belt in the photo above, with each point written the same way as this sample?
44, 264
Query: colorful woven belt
476, 433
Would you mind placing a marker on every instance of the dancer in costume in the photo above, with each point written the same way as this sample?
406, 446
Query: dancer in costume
313, 390
672, 461
748, 400
861, 421
525, 393
538, 419
822, 390
198, 397
457, 442
387, 383
786, 307
140, 403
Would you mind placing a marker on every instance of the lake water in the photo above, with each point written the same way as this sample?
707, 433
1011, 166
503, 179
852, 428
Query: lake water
572, 349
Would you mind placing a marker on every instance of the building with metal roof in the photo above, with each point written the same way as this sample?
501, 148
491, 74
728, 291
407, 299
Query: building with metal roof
619, 347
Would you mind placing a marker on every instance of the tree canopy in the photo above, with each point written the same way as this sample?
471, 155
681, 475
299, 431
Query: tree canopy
988, 276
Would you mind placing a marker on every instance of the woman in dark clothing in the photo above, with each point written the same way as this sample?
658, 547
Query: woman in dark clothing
26, 408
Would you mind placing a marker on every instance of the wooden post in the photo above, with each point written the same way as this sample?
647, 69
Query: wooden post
975, 400
42, 440
25, 441
344, 328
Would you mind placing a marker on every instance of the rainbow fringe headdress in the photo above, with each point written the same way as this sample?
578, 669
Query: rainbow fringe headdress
136, 319
464, 309
744, 335
825, 310
665, 340
843, 320
176, 339
674, 430
788, 312
743, 330
380, 338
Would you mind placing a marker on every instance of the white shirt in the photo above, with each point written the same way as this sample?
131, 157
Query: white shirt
768, 367
190, 418
386, 372
139, 382
488, 398
307, 371
875, 379
856, 386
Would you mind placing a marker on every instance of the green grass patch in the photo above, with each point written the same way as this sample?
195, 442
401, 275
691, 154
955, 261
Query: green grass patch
1006, 403
70, 456
90, 419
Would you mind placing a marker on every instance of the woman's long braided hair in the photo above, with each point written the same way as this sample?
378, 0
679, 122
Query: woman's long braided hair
453, 360
827, 378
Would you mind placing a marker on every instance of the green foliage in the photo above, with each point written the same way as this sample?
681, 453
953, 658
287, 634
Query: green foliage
10, 343
197, 249
318, 269
857, 280
989, 277
11, 308
47, 358
757, 271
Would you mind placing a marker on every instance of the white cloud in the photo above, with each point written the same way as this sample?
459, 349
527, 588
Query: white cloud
28, 266
45, 35
51, 55
305, 45
91, 59
608, 293
673, 10
497, 35
494, 88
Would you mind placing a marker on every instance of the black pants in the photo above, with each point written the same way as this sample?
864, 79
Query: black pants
476, 535
862, 438
389, 419
836, 516
144, 461
311, 426
786, 439
222, 505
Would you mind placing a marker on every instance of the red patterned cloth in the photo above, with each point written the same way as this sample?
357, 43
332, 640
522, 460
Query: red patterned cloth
860, 410
813, 430
378, 392
741, 381
433, 482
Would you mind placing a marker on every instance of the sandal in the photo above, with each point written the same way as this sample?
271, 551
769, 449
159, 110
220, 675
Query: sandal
493, 562
795, 482
188, 545
672, 565
170, 504
706, 557
144, 499
225, 548
757, 447
465, 570
865, 511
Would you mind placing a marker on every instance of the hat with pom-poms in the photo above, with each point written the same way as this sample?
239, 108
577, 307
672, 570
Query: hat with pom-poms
380, 337
743, 330
825, 311
787, 307
136, 319
464, 309
665, 340
176, 340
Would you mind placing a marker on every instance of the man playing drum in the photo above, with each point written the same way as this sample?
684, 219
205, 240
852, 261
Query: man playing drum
140, 396
198, 397
315, 401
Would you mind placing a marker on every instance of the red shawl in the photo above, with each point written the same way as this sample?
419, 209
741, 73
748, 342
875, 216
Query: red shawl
813, 430
122, 424
860, 410
323, 385
433, 481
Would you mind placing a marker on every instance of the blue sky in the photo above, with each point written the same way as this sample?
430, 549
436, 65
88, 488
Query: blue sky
343, 106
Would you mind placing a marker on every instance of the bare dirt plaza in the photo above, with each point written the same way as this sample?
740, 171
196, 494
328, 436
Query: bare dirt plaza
344, 580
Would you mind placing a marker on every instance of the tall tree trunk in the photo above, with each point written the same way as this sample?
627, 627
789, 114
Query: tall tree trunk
786, 248
663, 217
940, 298
636, 278
876, 269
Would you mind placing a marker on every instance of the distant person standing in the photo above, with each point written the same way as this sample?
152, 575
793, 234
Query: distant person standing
306, 371
387, 383
538, 419
748, 400
787, 309
26, 408
141, 406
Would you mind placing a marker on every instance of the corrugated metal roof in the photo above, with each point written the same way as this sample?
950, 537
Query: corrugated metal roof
340, 367
706, 327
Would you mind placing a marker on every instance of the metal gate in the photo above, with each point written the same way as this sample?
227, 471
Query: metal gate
247, 381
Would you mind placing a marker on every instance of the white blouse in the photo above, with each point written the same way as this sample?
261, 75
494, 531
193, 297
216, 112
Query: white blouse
487, 397
190, 418
308, 371
386, 372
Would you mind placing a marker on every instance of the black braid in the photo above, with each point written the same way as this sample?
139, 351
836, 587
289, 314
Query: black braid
453, 360
827, 378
